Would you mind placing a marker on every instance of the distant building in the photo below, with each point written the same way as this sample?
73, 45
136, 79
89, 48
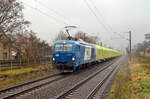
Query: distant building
5, 52
148, 51
147, 36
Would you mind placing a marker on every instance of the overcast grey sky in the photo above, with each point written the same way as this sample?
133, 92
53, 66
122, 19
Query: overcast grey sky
119, 15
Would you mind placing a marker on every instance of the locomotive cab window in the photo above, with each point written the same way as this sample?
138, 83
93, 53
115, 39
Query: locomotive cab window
63, 47
67, 47
58, 47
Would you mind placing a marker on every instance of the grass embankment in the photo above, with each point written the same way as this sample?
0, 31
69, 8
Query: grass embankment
12, 77
133, 80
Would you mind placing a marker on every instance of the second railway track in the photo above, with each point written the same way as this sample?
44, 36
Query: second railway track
77, 92
13, 91
92, 94
22, 89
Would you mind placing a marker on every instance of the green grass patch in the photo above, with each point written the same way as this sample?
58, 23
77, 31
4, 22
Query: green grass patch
144, 59
12, 77
9, 68
12, 73
133, 80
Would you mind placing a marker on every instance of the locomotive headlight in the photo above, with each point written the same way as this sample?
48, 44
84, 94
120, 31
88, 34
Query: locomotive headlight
53, 59
64, 42
73, 58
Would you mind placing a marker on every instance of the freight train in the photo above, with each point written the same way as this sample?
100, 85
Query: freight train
70, 55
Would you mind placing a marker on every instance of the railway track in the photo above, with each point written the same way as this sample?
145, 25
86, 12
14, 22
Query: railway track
22, 88
70, 93
99, 85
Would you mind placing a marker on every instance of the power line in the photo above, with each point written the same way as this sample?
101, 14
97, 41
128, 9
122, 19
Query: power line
121, 36
43, 13
59, 14
51, 10
108, 26
90, 8
100, 14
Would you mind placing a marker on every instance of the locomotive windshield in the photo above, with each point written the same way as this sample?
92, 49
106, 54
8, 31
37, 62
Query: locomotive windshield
63, 47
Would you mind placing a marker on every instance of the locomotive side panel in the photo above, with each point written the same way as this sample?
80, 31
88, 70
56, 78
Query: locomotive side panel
81, 52
87, 53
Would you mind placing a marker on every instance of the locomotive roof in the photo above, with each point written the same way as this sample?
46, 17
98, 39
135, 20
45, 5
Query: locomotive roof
67, 41
84, 43
72, 42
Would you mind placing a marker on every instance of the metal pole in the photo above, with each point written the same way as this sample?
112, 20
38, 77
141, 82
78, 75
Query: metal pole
130, 40
130, 43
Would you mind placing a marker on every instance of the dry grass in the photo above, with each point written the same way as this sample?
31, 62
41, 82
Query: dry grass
12, 77
133, 80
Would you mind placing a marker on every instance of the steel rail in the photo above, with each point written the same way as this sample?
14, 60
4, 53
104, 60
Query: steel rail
30, 82
35, 87
99, 85
67, 92
9, 89
30, 89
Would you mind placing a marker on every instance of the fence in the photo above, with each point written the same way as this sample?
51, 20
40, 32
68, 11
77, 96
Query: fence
16, 64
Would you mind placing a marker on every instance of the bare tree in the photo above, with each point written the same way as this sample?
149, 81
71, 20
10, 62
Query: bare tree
78, 35
86, 38
11, 16
29, 46
61, 36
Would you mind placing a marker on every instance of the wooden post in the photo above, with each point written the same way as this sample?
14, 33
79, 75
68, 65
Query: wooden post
11, 65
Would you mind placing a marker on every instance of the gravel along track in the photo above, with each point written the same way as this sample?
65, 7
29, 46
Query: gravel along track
99, 91
84, 89
51, 90
103, 91
23, 87
51, 87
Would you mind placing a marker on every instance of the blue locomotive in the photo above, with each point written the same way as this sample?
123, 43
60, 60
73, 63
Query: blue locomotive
69, 55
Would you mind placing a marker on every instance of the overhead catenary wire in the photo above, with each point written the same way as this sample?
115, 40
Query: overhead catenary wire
46, 14
100, 14
66, 19
52, 10
121, 36
93, 12
106, 24
107, 27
